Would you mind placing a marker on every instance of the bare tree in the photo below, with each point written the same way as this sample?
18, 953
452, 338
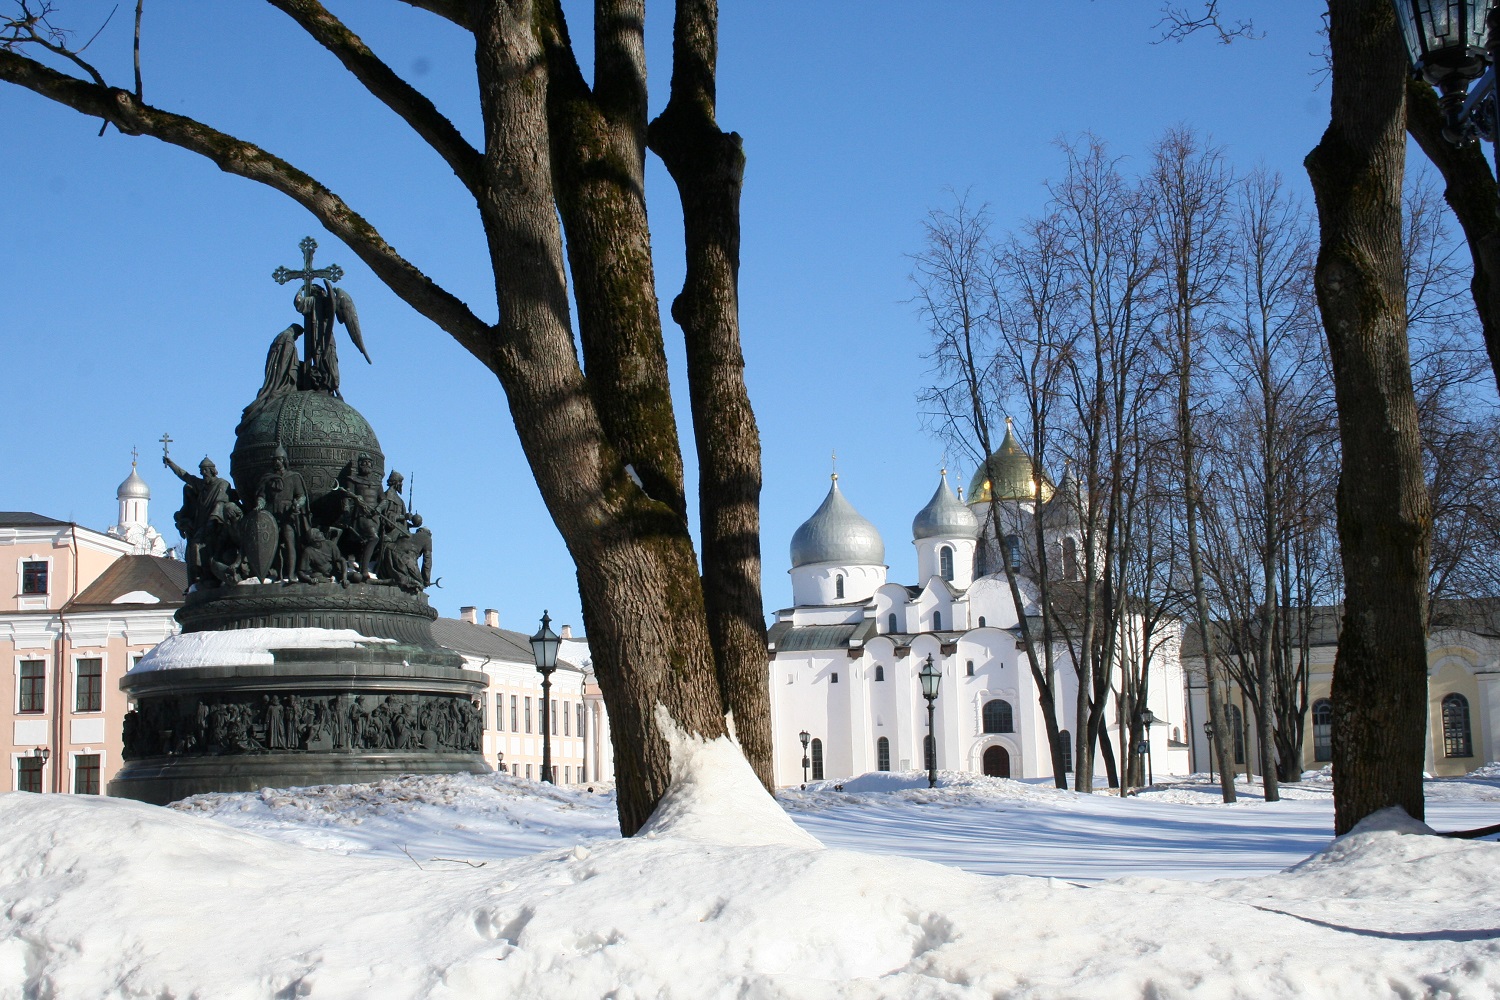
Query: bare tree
1190, 193
1384, 516
964, 288
558, 185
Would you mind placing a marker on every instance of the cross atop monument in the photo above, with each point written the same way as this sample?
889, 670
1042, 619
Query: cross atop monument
166, 443
308, 246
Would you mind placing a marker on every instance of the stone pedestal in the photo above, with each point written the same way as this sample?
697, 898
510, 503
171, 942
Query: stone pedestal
320, 684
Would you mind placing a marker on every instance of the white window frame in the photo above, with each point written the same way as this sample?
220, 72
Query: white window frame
33, 602
15, 771
103, 657
15, 706
73, 756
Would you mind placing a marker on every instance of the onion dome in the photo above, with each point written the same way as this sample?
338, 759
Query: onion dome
1014, 475
945, 516
133, 488
837, 533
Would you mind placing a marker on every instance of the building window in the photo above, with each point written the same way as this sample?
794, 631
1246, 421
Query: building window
1237, 726
879, 672
838, 588
528, 728
484, 713
553, 707
1066, 739
28, 774
33, 690
89, 694
890, 623
981, 621
929, 754
567, 775
580, 720
1013, 551
567, 715
528, 766
513, 727
817, 760
86, 774
998, 717
882, 754
833, 678
937, 621
982, 561
969, 669
500, 713
945, 562
1322, 718
34, 577
1070, 559
1457, 741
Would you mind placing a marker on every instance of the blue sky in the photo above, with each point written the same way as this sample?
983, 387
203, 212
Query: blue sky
138, 276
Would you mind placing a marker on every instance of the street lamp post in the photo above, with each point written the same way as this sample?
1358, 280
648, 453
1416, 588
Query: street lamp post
544, 652
1208, 733
804, 737
931, 677
1146, 717
1452, 43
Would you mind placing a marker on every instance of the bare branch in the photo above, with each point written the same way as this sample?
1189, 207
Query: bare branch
392, 91
1179, 22
120, 109
464, 13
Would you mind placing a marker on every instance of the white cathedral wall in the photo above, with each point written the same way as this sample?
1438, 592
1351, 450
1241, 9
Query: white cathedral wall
817, 583
929, 559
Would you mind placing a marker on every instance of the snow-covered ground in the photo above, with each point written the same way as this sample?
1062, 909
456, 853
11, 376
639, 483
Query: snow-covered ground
479, 886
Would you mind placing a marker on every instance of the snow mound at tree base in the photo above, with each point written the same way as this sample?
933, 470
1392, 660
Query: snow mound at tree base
107, 898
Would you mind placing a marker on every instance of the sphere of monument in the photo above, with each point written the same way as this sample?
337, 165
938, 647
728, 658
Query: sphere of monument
323, 437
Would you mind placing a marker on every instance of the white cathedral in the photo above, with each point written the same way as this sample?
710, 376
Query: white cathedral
844, 659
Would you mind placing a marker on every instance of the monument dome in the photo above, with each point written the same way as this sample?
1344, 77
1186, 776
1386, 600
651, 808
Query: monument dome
323, 437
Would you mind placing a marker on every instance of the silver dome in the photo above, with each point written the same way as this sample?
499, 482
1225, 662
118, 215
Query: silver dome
837, 533
945, 516
133, 488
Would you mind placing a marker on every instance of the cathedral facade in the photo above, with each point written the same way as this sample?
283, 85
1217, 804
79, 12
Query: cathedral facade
845, 657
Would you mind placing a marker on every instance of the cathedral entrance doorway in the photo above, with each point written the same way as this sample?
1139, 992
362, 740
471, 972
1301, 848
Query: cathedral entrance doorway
997, 762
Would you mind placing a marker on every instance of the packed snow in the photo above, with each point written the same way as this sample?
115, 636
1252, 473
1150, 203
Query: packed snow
492, 886
245, 647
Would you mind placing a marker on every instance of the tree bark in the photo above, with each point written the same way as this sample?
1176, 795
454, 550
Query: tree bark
1380, 675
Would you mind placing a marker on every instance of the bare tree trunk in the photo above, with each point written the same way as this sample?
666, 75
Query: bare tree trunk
1380, 676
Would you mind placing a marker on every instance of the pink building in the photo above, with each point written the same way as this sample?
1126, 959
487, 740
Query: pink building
77, 607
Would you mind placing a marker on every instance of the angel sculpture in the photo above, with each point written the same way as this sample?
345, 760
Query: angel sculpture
319, 305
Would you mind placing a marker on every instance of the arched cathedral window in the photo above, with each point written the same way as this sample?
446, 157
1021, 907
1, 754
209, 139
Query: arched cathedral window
1013, 551
1322, 720
945, 562
882, 754
937, 621
817, 760
890, 623
838, 588
1070, 559
879, 672
998, 717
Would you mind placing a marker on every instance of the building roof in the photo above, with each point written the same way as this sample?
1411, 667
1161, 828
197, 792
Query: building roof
837, 533
1478, 615
785, 637
26, 519
154, 581
945, 516
133, 488
487, 641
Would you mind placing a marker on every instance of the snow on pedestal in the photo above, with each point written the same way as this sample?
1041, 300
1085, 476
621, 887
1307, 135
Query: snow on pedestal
245, 647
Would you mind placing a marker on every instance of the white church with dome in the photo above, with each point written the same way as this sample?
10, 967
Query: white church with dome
844, 657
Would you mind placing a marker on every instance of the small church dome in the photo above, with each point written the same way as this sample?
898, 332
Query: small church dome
837, 533
133, 488
1015, 476
945, 516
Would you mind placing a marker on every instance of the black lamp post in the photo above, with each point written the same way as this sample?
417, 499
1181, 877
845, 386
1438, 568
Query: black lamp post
1451, 44
804, 737
544, 652
1208, 733
1146, 717
931, 677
